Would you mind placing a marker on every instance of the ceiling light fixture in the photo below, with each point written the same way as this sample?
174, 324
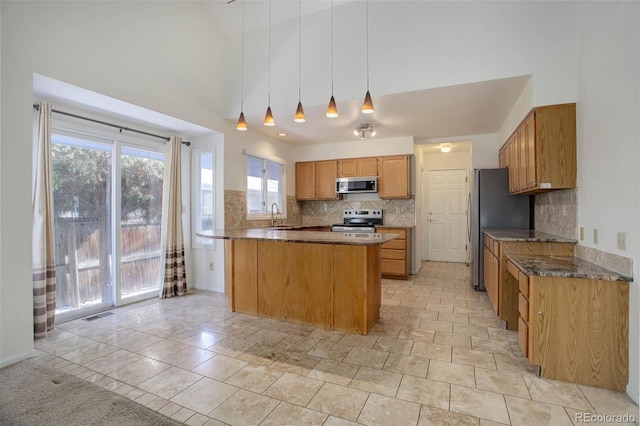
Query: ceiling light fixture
362, 130
299, 117
268, 118
367, 106
332, 109
445, 148
242, 124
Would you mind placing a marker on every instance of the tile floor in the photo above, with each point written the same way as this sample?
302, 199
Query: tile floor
437, 355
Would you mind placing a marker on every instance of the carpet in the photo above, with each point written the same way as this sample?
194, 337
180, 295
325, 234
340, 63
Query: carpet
32, 393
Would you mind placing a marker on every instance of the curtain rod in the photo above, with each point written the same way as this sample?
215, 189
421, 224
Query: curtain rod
117, 126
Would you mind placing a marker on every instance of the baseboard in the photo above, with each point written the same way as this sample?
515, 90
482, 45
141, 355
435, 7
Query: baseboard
12, 360
217, 289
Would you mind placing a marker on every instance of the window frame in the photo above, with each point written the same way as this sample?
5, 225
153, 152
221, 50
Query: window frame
282, 191
196, 202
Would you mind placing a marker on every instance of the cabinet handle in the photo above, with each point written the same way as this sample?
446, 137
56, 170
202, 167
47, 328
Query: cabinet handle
539, 312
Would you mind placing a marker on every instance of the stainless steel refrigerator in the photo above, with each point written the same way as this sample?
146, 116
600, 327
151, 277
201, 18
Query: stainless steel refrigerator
493, 207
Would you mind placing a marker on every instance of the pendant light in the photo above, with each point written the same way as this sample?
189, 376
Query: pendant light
242, 124
367, 106
299, 117
268, 118
332, 109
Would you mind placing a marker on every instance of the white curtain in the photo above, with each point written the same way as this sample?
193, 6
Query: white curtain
172, 240
44, 266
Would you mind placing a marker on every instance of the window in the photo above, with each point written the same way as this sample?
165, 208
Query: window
265, 186
202, 165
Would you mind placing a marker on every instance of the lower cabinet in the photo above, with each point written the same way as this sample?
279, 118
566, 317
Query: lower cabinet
574, 329
395, 254
491, 276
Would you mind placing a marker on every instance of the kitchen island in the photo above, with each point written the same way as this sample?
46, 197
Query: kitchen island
324, 279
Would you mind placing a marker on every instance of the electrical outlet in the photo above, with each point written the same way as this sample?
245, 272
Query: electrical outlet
596, 236
582, 233
211, 266
622, 240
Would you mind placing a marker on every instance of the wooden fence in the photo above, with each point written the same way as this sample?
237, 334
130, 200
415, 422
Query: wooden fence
84, 261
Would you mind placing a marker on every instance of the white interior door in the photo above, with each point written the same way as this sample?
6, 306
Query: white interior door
447, 215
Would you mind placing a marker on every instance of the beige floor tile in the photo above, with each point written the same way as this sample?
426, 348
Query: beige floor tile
474, 402
471, 330
169, 382
266, 337
475, 358
501, 382
330, 350
297, 343
296, 363
337, 421
138, 341
526, 411
610, 402
366, 357
558, 393
394, 344
455, 340
407, 364
244, 408
88, 353
432, 351
385, 330
261, 355
377, 381
204, 339
336, 372
189, 357
139, 371
436, 325
417, 334
339, 401
113, 361
381, 410
204, 395
431, 416
294, 389
220, 367
197, 420
284, 414
425, 391
255, 378
231, 347
358, 340
451, 373
495, 346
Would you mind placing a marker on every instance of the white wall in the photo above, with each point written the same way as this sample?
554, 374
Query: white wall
608, 116
373, 147
484, 148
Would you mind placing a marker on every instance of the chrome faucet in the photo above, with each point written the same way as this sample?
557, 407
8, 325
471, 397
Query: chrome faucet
273, 222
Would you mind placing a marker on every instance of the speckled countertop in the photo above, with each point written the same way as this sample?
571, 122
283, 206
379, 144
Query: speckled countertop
297, 236
526, 235
563, 267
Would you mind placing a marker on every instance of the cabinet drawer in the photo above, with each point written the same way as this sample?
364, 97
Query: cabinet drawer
513, 269
393, 254
523, 307
496, 248
523, 337
488, 242
523, 284
402, 233
393, 267
396, 244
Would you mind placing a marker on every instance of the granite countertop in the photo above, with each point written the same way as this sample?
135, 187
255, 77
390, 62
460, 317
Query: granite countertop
563, 267
297, 236
527, 235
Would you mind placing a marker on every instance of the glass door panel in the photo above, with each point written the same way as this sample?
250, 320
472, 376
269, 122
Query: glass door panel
82, 194
141, 175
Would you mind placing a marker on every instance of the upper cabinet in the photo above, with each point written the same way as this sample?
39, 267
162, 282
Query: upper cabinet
393, 177
541, 152
316, 180
358, 167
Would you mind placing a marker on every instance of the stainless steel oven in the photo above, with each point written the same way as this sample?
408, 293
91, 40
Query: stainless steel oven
359, 220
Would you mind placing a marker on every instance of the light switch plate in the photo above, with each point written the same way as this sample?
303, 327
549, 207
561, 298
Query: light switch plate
582, 233
622, 240
596, 236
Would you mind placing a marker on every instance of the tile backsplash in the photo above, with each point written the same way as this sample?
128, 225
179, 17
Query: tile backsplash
317, 213
556, 212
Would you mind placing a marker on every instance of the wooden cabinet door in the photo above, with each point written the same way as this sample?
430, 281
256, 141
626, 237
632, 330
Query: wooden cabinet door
503, 157
367, 166
530, 149
491, 277
326, 174
347, 167
306, 180
522, 158
513, 164
393, 179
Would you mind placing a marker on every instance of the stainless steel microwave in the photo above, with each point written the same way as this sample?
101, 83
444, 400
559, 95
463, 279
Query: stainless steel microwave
350, 185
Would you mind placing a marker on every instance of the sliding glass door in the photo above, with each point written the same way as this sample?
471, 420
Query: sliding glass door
108, 208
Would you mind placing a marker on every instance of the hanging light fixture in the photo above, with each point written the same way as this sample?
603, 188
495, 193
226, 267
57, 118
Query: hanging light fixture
367, 106
299, 117
242, 124
332, 109
445, 148
268, 118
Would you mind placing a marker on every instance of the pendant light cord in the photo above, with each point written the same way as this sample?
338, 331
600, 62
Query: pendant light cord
367, 18
269, 103
331, 47
299, 50
242, 64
